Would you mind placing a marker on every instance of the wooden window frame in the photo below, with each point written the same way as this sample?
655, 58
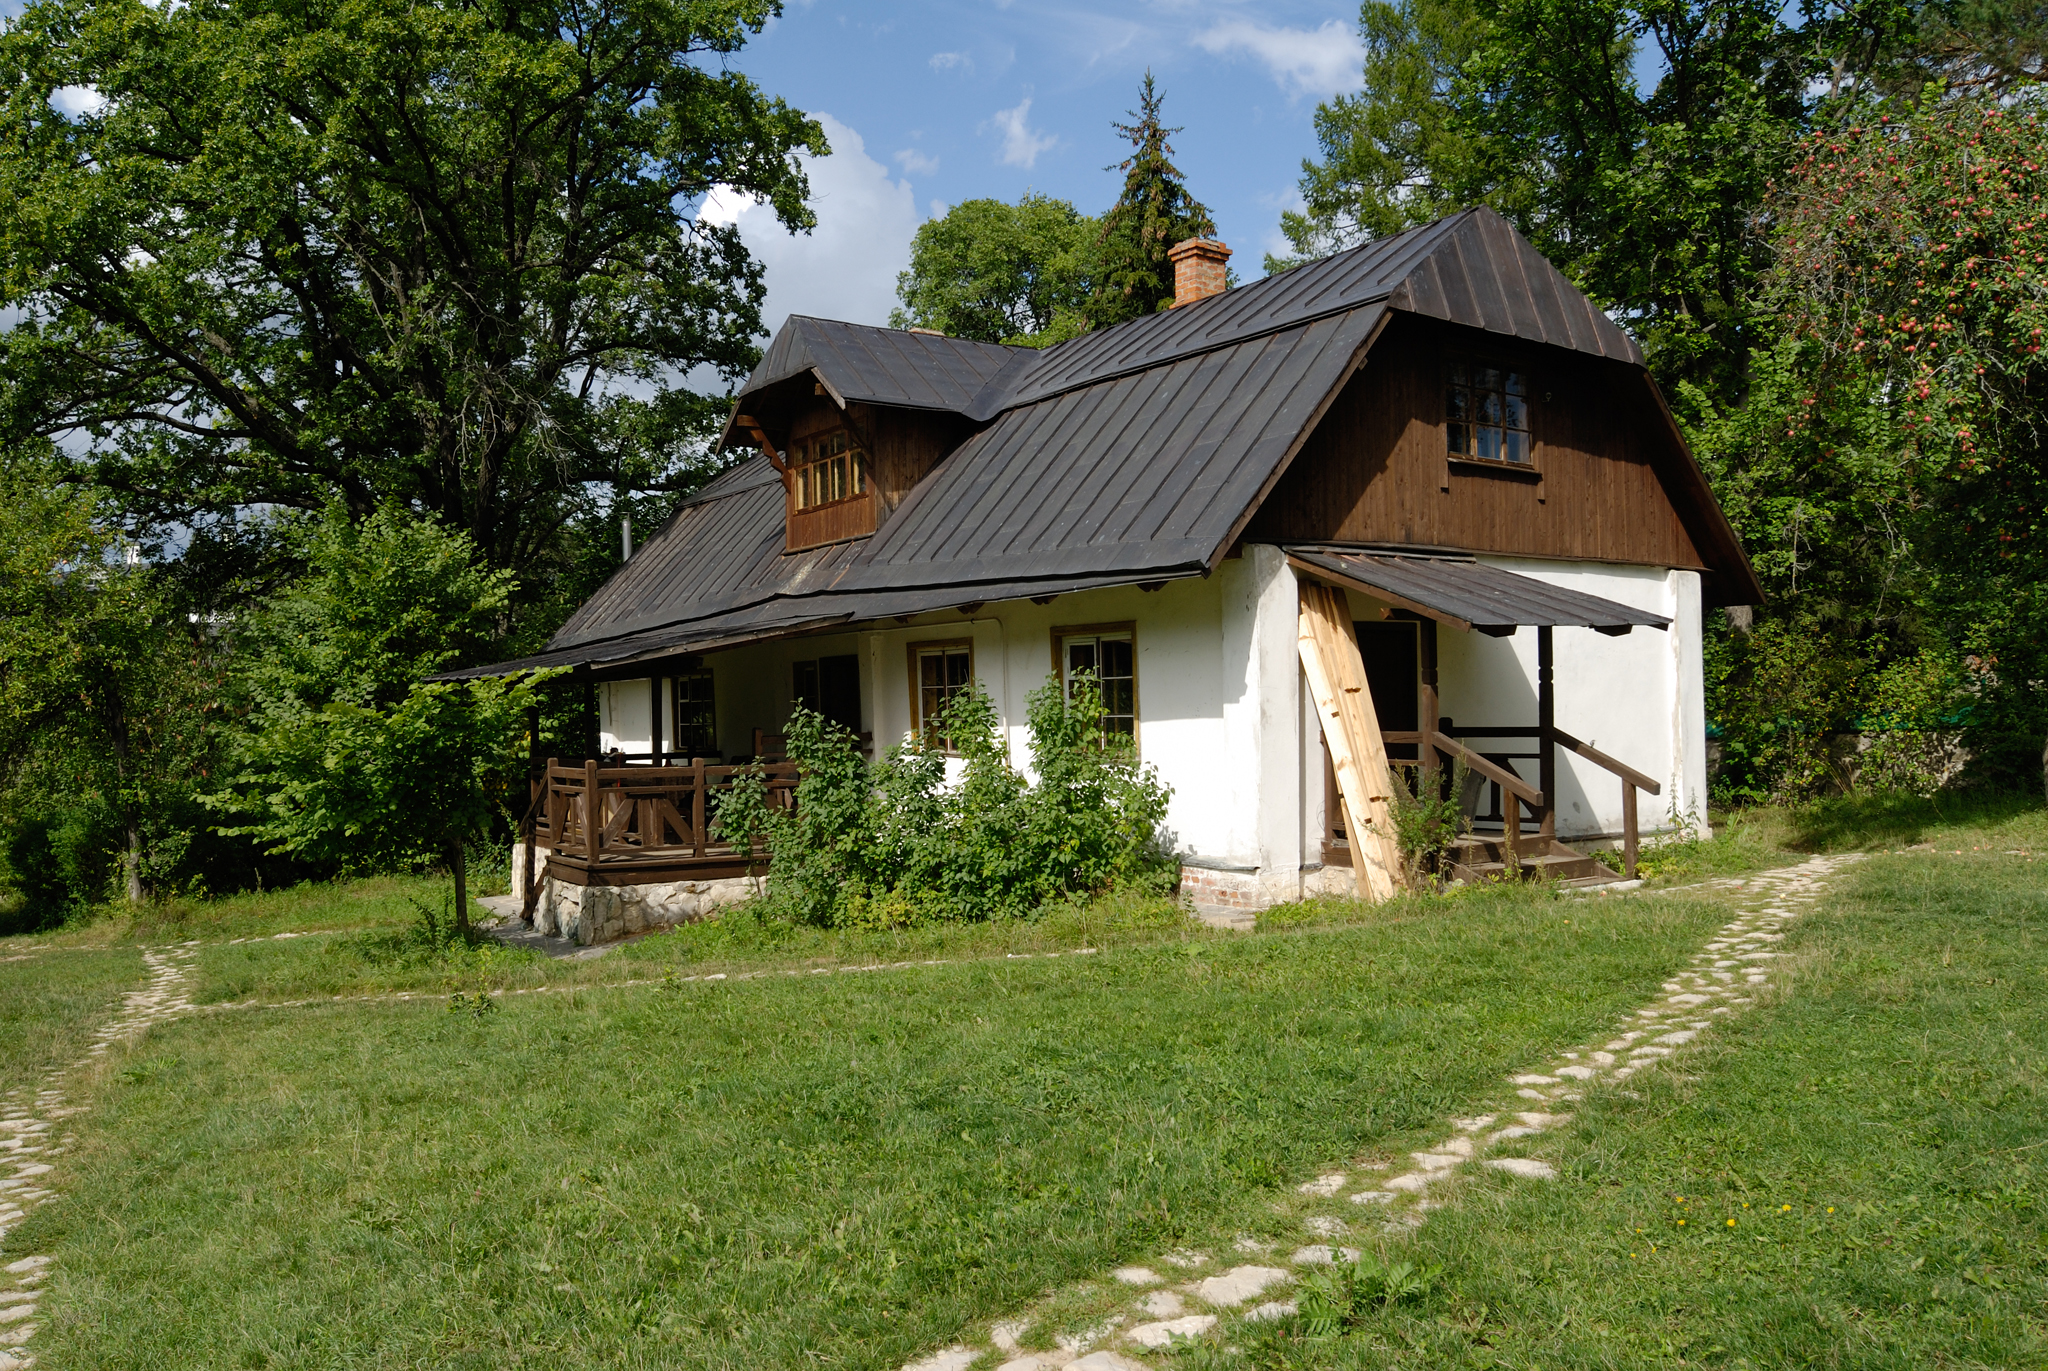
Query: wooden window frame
911, 651
854, 515
860, 468
1531, 469
1061, 633
675, 705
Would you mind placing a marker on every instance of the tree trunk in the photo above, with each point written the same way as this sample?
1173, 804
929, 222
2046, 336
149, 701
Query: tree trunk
131, 849
456, 861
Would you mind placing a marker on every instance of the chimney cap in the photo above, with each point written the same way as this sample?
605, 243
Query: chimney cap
1198, 247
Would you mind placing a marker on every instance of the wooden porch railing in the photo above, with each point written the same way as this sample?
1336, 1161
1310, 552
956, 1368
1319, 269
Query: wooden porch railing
616, 825
1517, 791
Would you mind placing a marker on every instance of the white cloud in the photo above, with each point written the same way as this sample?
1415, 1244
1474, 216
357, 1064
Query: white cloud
1324, 61
939, 208
846, 267
915, 163
76, 102
948, 61
1021, 146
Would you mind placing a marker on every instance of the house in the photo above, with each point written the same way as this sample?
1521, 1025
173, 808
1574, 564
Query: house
1435, 432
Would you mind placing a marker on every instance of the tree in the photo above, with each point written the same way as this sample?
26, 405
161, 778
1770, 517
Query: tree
350, 762
1646, 198
1154, 211
108, 706
1906, 407
1001, 273
436, 254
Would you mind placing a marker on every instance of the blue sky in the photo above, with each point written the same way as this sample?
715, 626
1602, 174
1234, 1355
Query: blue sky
928, 104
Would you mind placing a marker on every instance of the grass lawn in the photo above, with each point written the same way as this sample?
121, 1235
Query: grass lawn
771, 1172
1853, 1176
50, 1000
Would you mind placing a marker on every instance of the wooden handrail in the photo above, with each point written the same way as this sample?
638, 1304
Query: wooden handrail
1500, 776
1599, 758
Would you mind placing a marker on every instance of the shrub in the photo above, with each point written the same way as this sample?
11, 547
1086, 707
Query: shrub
894, 843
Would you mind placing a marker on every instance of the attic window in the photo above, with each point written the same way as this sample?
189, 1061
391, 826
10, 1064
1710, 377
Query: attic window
827, 469
1487, 413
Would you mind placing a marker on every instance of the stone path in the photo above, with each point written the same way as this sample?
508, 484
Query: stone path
31, 1135
1192, 1295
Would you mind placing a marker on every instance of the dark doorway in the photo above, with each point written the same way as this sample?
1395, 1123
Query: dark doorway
1393, 670
831, 686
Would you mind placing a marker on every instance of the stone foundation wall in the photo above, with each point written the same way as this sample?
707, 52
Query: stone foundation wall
591, 914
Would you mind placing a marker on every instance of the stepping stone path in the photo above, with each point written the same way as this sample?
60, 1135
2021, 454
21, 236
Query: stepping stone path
1725, 976
30, 1135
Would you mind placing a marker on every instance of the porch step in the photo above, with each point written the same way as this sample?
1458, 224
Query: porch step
1475, 858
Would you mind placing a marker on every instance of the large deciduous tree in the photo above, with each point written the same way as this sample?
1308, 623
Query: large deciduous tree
1645, 195
1894, 450
289, 252
1001, 273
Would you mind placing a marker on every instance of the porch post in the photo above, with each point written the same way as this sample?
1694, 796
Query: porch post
654, 720
1427, 720
1546, 729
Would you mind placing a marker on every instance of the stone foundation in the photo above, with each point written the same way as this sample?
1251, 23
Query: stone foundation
590, 914
1214, 891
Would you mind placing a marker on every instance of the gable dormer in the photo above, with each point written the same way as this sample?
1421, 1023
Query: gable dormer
844, 469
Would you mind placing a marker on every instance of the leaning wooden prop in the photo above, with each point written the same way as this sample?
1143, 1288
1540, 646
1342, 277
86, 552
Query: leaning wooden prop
1351, 730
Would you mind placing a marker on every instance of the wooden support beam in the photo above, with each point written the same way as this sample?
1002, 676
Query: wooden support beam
1351, 729
1546, 732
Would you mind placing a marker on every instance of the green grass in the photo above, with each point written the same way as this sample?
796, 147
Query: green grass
50, 998
1879, 1138
765, 1172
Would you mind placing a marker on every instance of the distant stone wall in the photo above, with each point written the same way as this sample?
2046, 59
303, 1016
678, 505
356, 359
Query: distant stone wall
591, 914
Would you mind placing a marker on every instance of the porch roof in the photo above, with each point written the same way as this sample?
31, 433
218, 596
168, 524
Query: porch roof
1469, 594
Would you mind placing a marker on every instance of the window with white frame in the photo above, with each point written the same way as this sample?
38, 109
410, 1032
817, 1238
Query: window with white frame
938, 672
1110, 653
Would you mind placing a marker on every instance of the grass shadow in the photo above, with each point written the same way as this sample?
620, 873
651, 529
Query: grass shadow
1848, 823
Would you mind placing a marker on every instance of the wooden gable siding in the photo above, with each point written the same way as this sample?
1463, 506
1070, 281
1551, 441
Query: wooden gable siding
902, 447
1375, 469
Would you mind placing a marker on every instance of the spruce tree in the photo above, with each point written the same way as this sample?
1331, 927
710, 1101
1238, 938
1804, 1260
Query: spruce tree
1154, 212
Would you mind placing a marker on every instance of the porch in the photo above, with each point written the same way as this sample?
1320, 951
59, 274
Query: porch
1509, 821
626, 822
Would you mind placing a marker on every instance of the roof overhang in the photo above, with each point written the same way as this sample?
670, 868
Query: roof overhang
1468, 594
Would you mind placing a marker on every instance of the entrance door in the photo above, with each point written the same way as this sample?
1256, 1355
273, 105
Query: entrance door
1393, 668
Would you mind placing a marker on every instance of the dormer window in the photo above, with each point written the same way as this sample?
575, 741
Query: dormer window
831, 487
1487, 414
827, 469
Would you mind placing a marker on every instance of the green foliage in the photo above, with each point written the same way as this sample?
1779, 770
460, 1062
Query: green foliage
1427, 823
895, 844
1781, 696
437, 254
1153, 212
110, 705
349, 761
1001, 273
1350, 1294
387, 601
1917, 712
1886, 470
1645, 197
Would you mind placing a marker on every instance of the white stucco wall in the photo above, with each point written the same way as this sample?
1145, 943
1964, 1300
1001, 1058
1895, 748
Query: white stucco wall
1218, 698
1223, 715
1639, 697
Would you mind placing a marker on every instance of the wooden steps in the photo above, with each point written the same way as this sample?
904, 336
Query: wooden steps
1475, 858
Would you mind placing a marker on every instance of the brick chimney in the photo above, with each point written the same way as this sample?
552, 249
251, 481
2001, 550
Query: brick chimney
1197, 270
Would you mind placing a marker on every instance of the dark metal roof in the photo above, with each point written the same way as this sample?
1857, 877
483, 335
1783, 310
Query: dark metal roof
1132, 454
1472, 594
1135, 479
1471, 268
884, 366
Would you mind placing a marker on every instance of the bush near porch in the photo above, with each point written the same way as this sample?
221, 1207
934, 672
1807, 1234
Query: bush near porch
894, 844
